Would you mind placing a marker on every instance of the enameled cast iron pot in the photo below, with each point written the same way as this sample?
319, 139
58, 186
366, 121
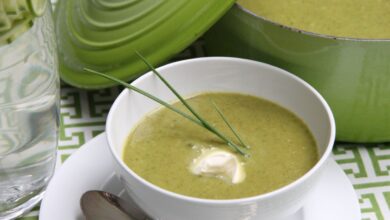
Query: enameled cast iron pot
352, 74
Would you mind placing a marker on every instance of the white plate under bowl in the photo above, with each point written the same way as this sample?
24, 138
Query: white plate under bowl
91, 167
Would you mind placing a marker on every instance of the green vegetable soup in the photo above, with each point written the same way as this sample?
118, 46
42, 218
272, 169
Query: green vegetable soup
163, 145
343, 18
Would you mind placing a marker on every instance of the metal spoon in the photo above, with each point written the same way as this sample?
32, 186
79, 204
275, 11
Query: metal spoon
100, 205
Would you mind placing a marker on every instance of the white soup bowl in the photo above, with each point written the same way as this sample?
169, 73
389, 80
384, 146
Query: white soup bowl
222, 75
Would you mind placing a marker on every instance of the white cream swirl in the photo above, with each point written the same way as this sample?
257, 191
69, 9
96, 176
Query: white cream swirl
219, 164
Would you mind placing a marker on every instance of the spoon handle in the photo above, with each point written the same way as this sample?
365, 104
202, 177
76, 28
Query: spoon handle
99, 205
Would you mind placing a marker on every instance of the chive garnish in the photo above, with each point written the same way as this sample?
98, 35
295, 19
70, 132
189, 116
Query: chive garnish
197, 119
229, 125
142, 92
182, 100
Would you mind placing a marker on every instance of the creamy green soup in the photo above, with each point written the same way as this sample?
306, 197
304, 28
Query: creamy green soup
163, 145
343, 18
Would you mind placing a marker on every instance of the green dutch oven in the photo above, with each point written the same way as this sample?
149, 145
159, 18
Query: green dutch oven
352, 74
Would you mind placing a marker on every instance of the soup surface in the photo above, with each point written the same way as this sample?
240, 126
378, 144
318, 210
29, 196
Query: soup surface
343, 18
163, 145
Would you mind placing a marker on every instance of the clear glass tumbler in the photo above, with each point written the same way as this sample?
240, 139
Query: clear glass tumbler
29, 104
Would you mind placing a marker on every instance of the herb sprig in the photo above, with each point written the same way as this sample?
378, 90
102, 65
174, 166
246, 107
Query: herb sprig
197, 119
229, 125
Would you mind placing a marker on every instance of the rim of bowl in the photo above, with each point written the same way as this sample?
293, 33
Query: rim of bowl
321, 162
300, 31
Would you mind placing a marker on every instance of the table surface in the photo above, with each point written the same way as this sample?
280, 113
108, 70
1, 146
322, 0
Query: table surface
83, 115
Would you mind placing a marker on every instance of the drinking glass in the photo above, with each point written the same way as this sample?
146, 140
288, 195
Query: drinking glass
29, 104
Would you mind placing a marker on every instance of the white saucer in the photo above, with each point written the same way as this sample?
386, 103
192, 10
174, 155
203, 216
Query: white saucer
91, 167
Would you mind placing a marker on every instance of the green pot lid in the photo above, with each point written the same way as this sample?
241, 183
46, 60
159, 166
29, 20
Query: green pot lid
103, 35
17, 16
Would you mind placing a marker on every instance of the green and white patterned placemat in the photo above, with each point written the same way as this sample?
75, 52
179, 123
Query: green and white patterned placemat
368, 168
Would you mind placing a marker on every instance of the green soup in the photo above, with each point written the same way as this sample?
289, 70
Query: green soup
162, 146
343, 18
